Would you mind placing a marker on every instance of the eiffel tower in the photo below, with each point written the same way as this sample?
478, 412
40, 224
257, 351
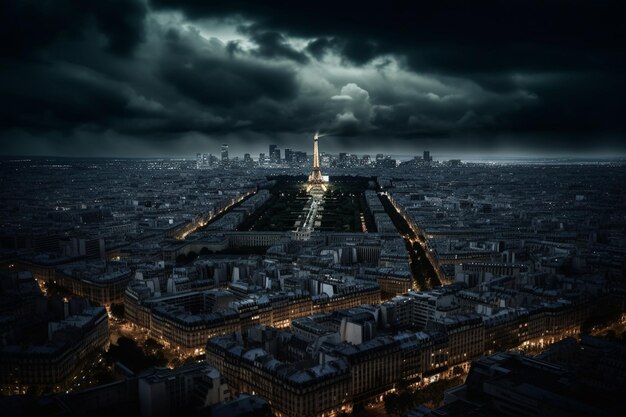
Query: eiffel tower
316, 184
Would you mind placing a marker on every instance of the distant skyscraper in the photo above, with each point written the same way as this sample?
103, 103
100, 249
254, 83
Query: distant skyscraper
275, 155
288, 155
272, 151
224, 153
247, 158
427, 157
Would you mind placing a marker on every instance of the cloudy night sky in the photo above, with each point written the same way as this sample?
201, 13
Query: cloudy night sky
174, 77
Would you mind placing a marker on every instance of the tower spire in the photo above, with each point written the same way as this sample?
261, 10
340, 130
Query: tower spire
316, 181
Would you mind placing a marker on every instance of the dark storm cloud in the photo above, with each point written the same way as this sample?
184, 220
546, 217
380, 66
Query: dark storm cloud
570, 55
445, 35
272, 44
216, 80
31, 25
319, 47
159, 72
67, 96
353, 51
181, 83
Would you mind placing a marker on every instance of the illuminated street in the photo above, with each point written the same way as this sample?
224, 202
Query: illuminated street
425, 274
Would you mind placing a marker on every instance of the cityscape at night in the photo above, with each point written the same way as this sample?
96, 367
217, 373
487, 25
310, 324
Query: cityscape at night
268, 209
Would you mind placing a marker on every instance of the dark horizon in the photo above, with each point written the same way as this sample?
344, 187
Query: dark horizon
473, 157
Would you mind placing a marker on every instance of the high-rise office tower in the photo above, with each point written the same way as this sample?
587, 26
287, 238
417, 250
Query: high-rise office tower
272, 150
427, 157
224, 153
288, 155
275, 156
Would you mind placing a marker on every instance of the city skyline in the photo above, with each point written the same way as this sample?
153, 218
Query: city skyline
261, 148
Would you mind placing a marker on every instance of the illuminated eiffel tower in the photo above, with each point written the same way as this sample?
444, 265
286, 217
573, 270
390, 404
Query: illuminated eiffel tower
316, 184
